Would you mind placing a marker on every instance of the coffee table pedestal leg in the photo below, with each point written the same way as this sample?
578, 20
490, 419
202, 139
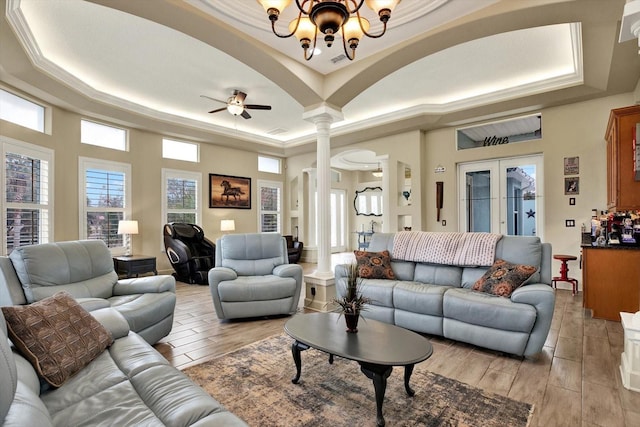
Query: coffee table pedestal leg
296, 348
379, 375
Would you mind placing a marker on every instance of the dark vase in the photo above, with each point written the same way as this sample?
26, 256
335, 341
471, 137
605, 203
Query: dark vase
352, 321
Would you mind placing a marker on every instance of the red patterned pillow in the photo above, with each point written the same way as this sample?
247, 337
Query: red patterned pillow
503, 278
374, 265
57, 335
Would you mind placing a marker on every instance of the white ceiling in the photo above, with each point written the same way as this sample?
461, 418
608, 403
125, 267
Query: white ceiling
155, 61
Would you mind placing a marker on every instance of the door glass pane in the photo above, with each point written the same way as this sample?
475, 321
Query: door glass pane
478, 200
521, 200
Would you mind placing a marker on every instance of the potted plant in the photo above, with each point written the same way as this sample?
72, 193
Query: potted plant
353, 302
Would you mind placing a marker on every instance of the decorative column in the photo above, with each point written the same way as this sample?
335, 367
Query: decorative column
322, 117
320, 285
387, 194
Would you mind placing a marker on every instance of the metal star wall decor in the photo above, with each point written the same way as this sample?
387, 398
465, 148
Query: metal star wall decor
531, 213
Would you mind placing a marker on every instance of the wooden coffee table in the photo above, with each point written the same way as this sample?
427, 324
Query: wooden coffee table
377, 347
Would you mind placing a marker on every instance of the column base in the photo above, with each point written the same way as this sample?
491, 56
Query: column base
325, 291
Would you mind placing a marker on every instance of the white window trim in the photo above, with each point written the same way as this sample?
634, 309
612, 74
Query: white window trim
181, 174
270, 184
10, 145
85, 163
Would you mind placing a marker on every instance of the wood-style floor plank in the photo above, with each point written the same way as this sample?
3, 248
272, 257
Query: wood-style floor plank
575, 381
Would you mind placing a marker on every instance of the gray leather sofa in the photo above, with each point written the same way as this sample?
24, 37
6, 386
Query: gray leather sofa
253, 277
84, 268
438, 299
128, 384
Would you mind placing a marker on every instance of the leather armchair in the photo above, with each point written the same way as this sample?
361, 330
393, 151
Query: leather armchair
190, 253
253, 277
294, 249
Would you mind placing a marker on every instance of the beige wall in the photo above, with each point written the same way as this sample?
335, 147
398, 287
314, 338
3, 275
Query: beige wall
145, 157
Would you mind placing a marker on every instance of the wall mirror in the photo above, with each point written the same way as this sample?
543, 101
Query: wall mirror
368, 202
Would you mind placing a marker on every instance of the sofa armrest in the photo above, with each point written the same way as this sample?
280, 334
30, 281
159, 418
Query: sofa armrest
113, 321
543, 298
91, 304
145, 285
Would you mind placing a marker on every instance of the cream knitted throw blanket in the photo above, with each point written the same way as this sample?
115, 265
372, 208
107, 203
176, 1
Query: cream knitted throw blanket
461, 249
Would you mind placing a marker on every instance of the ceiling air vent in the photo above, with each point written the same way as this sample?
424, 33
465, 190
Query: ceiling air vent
276, 131
338, 58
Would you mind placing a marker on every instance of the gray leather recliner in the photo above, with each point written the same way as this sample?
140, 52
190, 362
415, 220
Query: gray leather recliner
84, 268
253, 277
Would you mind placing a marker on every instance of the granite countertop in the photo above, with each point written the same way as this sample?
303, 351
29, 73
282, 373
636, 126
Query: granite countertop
628, 247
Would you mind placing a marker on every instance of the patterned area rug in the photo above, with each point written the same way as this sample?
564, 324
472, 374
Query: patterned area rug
254, 382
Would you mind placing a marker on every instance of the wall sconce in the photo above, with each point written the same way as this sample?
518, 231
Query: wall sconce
227, 225
127, 228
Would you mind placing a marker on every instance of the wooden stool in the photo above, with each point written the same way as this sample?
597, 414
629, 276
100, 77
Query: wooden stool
564, 271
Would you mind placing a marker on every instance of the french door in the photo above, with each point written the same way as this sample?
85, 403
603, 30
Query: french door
502, 196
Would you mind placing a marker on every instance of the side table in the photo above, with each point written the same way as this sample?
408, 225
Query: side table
630, 359
134, 264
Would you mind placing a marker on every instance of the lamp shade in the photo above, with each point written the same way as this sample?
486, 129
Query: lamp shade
127, 227
227, 225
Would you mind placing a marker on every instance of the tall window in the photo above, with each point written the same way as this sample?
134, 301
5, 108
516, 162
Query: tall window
106, 195
181, 196
27, 179
270, 214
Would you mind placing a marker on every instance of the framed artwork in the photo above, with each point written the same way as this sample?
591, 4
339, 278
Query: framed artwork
571, 165
572, 185
572, 201
231, 192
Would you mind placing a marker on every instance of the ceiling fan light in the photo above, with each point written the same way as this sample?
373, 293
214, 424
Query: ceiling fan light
235, 109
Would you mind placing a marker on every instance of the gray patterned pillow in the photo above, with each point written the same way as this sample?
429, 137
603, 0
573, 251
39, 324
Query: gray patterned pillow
56, 335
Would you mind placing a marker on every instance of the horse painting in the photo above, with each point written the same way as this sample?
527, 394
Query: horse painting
229, 192
235, 192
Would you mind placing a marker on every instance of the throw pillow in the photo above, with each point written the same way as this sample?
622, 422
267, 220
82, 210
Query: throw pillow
503, 278
57, 335
374, 265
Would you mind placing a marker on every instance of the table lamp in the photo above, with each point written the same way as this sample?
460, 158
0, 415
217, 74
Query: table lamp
126, 228
227, 225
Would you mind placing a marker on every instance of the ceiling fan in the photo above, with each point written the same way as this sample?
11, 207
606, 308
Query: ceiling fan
236, 105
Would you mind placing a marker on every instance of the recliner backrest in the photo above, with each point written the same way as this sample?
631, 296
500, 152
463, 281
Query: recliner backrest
253, 254
84, 268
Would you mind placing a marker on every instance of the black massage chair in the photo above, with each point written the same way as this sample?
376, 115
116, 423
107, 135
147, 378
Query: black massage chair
191, 254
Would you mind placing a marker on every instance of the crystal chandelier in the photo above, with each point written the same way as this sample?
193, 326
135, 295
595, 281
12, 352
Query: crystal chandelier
329, 18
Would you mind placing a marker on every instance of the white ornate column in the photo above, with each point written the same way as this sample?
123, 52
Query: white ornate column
387, 194
322, 116
320, 285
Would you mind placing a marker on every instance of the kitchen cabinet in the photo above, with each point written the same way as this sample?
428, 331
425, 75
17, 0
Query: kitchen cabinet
611, 280
623, 191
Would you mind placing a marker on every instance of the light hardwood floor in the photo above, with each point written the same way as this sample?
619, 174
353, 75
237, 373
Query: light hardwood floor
575, 381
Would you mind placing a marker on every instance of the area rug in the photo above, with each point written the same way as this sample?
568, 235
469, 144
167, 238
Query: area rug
254, 382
